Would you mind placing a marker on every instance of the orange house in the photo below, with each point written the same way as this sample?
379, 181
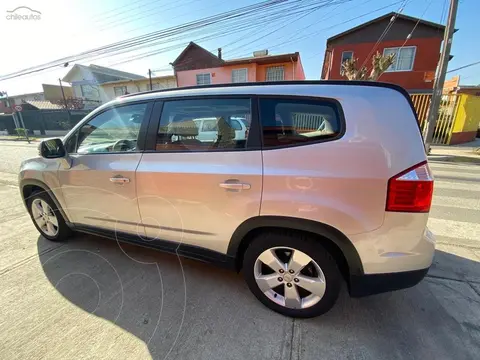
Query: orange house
197, 66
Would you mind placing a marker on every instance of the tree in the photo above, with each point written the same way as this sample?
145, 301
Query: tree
380, 64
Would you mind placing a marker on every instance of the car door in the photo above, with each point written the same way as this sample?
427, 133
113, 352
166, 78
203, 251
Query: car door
99, 187
193, 192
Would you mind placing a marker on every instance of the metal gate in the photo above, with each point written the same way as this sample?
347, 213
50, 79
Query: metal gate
446, 115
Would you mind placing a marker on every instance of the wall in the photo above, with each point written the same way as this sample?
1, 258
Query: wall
223, 75
220, 75
467, 119
21, 99
426, 59
107, 91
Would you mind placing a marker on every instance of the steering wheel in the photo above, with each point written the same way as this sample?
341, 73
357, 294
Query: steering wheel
124, 145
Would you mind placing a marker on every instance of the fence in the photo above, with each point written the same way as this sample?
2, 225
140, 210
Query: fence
446, 115
303, 122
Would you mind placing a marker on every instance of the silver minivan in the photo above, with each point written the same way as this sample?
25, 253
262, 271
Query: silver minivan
329, 185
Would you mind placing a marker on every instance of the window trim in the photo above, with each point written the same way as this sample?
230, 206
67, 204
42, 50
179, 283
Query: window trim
254, 136
246, 76
209, 75
398, 55
141, 134
341, 58
274, 66
120, 87
92, 85
336, 105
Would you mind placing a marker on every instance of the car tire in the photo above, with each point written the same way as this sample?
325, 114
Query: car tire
47, 218
322, 268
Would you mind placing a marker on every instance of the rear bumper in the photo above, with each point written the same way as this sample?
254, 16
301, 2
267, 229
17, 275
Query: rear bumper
365, 285
401, 244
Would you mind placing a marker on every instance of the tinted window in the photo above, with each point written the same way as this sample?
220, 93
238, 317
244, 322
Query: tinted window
290, 122
202, 125
235, 124
115, 130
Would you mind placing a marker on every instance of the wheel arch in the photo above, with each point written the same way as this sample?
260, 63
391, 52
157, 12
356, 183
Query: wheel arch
334, 240
30, 186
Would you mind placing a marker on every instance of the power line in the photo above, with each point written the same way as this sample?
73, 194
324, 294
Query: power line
279, 28
382, 36
309, 35
464, 66
147, 38
219, 34
416, 24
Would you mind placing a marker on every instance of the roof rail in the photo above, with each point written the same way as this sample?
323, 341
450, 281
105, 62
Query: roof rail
290, 82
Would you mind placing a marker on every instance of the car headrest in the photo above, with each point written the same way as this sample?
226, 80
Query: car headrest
183, 128
225, 131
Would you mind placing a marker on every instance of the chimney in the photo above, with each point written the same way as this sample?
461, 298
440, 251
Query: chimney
220, 53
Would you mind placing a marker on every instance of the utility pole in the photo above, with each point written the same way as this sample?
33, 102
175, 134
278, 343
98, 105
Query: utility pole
23, 125
442, 71
66, 104
150, 77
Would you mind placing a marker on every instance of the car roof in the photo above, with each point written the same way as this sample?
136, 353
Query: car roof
277, 87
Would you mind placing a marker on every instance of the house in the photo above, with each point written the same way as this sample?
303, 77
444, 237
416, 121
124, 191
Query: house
452, 86
112, 89
23, 98
86, 81
198, 66
415, 61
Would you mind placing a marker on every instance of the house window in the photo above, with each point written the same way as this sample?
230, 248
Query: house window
239, 75
90, 92
404, 58
346, 55
275, 73
203, 79
120, 90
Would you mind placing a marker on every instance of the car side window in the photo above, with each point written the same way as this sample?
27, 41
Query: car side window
114, 130
203, 125
297, 121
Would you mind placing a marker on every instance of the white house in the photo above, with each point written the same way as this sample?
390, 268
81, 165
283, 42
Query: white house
112, 89
23, 98
86, 81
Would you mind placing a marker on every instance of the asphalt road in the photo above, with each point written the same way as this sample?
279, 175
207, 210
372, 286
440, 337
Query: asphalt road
93, 298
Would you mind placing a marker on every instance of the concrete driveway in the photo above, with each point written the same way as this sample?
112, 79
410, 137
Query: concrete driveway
93, 298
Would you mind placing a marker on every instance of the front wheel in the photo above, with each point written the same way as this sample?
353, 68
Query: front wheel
292, 274
47, 218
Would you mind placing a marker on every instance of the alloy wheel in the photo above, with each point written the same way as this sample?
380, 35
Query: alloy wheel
45, 217
289, 277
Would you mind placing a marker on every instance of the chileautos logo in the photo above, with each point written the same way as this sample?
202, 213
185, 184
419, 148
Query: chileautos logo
23, 13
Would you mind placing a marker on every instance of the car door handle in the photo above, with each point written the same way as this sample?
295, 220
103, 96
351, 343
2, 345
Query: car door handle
235, 186
119, 180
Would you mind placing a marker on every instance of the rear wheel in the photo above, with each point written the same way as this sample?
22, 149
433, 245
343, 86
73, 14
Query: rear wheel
292, 274
47, 218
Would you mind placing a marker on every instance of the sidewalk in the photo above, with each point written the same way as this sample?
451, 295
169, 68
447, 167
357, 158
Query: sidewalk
468, 152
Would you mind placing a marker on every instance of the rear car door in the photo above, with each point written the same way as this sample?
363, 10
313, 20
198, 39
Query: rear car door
198, 192
99, 188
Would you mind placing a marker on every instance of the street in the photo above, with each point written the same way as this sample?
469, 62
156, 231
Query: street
94, 298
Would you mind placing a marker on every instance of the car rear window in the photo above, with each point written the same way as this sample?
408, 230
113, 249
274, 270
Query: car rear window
287, 122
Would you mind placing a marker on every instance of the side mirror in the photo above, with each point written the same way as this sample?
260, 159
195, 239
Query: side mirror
52, 149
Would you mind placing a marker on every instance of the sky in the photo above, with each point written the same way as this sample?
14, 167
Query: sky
66, 28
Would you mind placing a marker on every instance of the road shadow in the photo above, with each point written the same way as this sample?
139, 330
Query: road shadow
185, 309
473, 159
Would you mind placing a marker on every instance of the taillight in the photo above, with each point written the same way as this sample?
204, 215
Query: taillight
411, 190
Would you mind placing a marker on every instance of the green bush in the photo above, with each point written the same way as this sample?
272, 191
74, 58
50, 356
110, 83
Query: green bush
21, 132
